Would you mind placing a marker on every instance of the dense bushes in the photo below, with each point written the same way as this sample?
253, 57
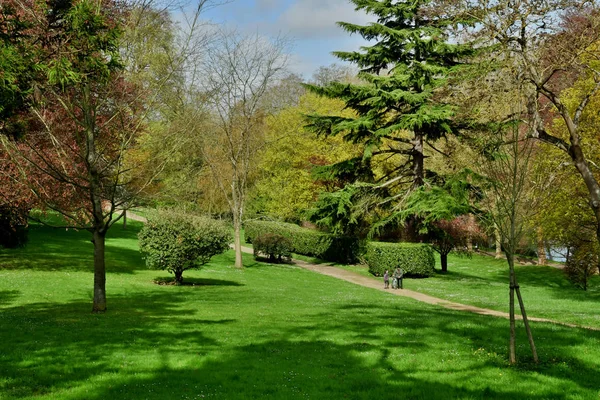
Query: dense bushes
582, 264
307, 241
414, 258
276, 247
178, 242
13, 227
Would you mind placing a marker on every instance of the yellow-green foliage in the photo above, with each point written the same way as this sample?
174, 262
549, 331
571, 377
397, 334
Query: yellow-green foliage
565, 214
285, 187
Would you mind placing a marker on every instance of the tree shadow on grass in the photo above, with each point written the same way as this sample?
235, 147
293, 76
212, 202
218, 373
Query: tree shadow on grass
355, 368
47, 346
158, 345
485, 335
8, 296
169, 281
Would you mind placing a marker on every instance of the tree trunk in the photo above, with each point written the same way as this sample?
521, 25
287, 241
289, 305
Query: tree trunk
512, 353
178, 277
124, 219
541, 248
470, 232
99, 240
444, 261
238, 241
498, 240
418, 161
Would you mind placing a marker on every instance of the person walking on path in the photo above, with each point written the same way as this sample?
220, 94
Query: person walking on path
386, 279
398, 275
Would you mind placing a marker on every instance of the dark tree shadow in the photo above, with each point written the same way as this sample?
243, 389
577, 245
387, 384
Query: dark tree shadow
169, 281
8, 296
43, 349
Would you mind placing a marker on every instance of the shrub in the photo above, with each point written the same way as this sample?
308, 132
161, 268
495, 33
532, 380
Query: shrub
13, 227
177, 242
308, 242
276, 247
414, 258
582, 264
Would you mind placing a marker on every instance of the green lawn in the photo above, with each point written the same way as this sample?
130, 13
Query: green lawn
274, 332
483, 281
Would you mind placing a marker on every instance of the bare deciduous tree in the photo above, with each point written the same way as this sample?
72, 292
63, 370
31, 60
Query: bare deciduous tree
238, 70
508, 169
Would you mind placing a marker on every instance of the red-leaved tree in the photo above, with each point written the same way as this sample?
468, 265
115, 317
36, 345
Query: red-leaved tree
83, 118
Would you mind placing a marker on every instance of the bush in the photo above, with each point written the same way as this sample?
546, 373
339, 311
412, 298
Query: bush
582, 264
415, 259
308, 242
13, 227
177, 242
276, 247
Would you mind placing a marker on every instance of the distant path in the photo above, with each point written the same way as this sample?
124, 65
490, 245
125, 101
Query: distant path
358, 279
134, 217
520, 261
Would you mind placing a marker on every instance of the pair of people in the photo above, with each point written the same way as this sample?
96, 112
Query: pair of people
397, 278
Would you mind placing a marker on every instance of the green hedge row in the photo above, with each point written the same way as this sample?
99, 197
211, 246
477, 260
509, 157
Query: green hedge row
308, 242
415, 259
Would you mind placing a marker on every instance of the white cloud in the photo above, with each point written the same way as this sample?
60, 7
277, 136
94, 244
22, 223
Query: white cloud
317, 18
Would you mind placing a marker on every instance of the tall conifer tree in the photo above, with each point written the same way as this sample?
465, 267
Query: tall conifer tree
398, 108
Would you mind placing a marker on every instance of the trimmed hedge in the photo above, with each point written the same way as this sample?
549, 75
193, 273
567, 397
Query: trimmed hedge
308, 242
416, 259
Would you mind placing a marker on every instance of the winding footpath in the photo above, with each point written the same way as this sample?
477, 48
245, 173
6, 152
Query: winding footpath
358, 279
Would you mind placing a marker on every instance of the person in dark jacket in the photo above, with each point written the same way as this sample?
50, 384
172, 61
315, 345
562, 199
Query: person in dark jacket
398, 276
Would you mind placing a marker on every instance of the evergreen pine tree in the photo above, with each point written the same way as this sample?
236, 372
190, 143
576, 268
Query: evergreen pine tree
397, 105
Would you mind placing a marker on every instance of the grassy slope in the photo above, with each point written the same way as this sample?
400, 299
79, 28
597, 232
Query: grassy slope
483, 281
264, 332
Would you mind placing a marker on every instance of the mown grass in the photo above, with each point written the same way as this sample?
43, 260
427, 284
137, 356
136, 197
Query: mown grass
483, 281
275, 332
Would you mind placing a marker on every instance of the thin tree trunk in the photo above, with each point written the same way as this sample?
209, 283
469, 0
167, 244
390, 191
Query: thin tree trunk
99, 240
541, 248
526, 322
512, 353
418, 161
470, 233
498, 240
598, 237
124, 219
237, 241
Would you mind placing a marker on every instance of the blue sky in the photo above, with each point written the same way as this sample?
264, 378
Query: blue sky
309, 24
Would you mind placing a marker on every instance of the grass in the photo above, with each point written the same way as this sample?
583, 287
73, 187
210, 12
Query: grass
483, 281
274, 332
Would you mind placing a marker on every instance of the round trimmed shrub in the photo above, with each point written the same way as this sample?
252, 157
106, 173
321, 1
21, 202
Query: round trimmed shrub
178, 242
276, 247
